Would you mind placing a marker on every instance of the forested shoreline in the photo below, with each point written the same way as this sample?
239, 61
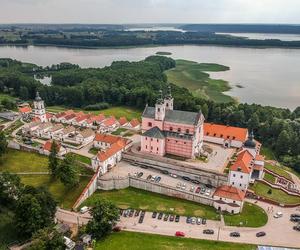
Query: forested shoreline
137, 83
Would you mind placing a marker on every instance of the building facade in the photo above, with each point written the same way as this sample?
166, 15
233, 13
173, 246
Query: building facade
168, 131
39, 110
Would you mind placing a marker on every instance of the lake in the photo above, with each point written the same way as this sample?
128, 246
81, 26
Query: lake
269, 76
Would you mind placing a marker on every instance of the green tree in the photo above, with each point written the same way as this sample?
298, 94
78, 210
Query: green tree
53, 161
8, 104
24, 95
47, 239
10, 188
3, 144
283, 142
35, 210
67, 171
105, 215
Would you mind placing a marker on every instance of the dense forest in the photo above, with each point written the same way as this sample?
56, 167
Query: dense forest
95, 36
137, 83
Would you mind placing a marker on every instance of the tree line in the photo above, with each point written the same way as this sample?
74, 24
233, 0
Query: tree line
137, 83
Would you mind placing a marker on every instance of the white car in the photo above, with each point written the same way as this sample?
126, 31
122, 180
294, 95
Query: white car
69, 243
173, 175
192, 189
183, 187
207, 193
278, 215
84, 209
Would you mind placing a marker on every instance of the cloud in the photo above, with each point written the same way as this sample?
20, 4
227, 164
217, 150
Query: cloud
150, 11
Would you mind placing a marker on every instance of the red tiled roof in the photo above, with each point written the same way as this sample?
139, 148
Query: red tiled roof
69, 112
59, 115
36, 119
47, 146
107, 138
259, 158
48, 115
25, 110
243, 162
110, 121
70, 116
98, 118
81, 118
134, 123
116, 147
123, 120
226, 132
230, 192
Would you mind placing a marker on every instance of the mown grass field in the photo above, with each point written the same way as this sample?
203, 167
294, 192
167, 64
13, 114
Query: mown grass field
251, 216
141, 241
19, 161
262, 189
140, 199
278, 170
118, 112
270, 178
194, 76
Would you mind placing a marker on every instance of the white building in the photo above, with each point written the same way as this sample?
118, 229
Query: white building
84, 136
104, 141
47, 148
39, 108
228, 199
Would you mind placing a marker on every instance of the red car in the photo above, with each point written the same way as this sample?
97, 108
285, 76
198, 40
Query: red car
179, 234
198, 190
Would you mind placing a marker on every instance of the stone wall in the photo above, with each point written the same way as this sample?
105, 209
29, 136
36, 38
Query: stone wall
120, 183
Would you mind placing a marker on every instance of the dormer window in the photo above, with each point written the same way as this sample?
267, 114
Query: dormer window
187, 131
221, 136
207, 133
239, 169
179, 130
215, 134
171, 128
167, 104
158, 109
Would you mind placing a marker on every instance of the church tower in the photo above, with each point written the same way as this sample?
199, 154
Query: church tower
39, 108
160, 108
169, 99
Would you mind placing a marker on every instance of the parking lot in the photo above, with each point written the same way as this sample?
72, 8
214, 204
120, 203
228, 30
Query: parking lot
279, 231
124, 169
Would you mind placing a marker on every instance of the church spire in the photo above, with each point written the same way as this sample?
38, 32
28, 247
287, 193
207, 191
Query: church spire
160, 97
169, 95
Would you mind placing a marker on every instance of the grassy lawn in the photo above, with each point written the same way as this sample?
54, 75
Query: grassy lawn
251, 216
262, 189
268, 153
140, 199
119, 131
278, 170
136, 241
82, 158
94, 151
14, 126
20, 161
270, 178
66, 198
6, 96
118, 112
193, 76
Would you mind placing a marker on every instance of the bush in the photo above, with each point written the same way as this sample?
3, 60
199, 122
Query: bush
97, 106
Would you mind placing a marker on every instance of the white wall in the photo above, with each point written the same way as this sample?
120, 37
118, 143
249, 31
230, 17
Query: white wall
239, 180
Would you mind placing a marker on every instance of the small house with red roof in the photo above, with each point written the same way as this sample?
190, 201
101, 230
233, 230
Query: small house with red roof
104, 141
134, 124
123, 121
108, 125
229, 199
47, 148
107, 159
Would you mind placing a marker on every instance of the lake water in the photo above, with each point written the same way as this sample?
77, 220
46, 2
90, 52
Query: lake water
269, 76
263, 36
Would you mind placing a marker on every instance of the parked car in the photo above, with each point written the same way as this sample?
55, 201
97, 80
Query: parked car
166, 217
234, 234
173, 175
186, 178
160, 215
198, 190
193, 220
172, 217
126, 213
141, 219
179, 234
121, 212
203, 221
208, 231
192, 189
297, 228
207, 193
140, 174
149, 177
131, 212
143, 213
165, 172
260, 234
157, 179
295, 215
199, 221
153, 178
202, 191
188, 220
154, 214
177, 218
295, 219
137, 213
278, 215
196, 182
84, 209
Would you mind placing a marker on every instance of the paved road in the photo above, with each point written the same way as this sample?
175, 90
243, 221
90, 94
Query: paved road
279, 231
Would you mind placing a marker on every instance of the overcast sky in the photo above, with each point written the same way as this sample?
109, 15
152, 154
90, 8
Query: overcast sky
150, 11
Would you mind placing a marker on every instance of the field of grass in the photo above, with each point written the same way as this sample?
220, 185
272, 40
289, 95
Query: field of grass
262, 189
119, 131
278, 170
118, 112
94, 151
82, 158
140, 199
137, 241
193, 76
270, 178
14, 126
268, 153
6, 96
19, 161
251, 216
